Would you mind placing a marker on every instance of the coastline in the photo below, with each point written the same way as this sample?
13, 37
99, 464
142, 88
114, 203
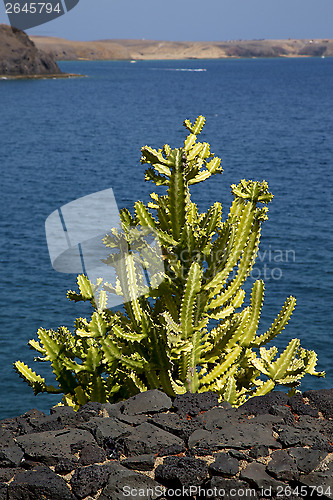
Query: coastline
41, 77
126, 49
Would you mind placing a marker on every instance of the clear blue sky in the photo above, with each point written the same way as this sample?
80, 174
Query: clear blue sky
192, 19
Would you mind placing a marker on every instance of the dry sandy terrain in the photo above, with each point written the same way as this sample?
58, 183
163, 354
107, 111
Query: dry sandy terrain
149, 49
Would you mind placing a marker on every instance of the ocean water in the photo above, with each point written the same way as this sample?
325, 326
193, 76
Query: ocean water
268, 119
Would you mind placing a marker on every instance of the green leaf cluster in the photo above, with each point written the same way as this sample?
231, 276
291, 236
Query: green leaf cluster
163, 338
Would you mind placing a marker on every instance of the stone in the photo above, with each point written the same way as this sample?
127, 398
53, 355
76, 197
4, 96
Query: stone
298, 436
242, 435
319, 482
66, 465
147, 438
92, 454
8, 473
151, 401
229, 489
6, 438
178, 472
59, 418
174, 449
133, 420
106, 428
284, 412
322, 400
224, 465
3, 491
172, 422
217, 418
259, 405
89, 410
51, 446
307, 459
257, 476
37, 484
198, 436
194, 403
11, 456
88, 480
122, 480
112, 409
140, 462
258, 451
298, 406
240, 455
282, 466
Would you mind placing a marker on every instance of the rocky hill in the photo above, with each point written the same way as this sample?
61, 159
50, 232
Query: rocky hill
19, 56
63, 49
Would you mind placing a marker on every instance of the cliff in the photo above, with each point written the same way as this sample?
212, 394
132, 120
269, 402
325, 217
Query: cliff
19, 56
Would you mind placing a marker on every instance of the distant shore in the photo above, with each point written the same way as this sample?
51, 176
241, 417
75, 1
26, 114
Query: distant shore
121, 49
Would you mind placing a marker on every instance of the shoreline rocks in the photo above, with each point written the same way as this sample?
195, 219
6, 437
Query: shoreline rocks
150, 446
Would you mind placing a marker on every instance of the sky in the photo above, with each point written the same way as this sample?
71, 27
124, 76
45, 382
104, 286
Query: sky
207, 20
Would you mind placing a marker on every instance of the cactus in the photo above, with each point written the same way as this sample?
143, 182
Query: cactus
163, 338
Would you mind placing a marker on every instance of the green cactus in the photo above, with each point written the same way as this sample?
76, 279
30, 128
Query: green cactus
163, 339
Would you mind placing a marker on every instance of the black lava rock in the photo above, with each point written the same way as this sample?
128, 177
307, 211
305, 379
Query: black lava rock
147, 438
181, 472
224, 465
307, 459
259, 405
322, 400
282, 466
88, 480
194, 403
92, 454
147, 402
141, 462
37, 484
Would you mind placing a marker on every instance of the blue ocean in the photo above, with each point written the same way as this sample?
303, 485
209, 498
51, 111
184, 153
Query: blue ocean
63, 139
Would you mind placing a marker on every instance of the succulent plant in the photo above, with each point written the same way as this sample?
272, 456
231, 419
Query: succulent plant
164, 338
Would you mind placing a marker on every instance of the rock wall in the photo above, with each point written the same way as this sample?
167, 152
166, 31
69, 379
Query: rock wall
19, 56
150, 447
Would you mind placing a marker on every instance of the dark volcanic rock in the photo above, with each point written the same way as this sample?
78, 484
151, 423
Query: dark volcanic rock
262, 404
298, 436
178, 472
147, 402
224, 465
257, 476
242, 435
259, 451
172, 422
109, 449
194, 403
92, 454
19, 55
107, 428
121, 481
306, 459
88, 480
51, 446
282, 466
140, 462
322, 400
298, 406
37, 484
230, 489
147, 438
11, 456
